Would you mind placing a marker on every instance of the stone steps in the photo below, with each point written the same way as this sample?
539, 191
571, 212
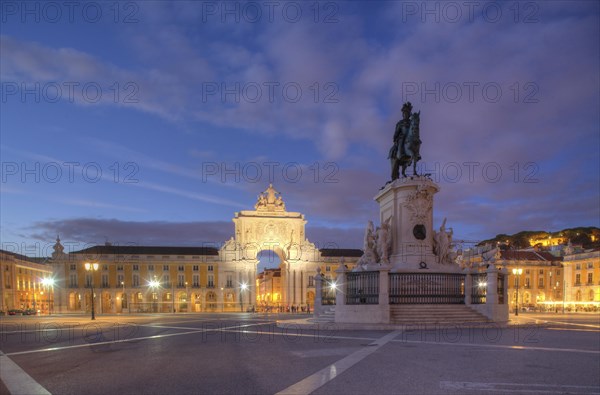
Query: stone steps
435, 314
326, 317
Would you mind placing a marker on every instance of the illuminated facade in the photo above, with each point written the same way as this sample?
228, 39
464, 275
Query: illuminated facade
268, 289
541, 282
25, 284
547, 281
542, 279
583, 277
198, 279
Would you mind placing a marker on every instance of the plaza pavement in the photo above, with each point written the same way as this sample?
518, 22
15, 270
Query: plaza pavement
250, 354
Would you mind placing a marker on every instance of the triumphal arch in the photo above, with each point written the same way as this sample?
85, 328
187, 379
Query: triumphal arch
270, 227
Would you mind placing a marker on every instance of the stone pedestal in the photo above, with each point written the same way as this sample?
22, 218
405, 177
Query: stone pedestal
409, 202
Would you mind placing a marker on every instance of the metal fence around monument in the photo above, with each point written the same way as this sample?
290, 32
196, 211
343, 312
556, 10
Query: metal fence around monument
362, 288
479, 288
501, 285
427, 288
328, 289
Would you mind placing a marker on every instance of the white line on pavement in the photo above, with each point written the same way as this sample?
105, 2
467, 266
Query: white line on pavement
518, 387
129, 340
404, 341
573, 324
323, 376
16, 380
504, 346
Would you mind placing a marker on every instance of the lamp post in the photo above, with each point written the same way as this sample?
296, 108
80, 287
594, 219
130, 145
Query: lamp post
173, 297
48, 282
92, 267
154, 284
243, 287
187, 298
564, 290
517, 272
550, 283
123, 298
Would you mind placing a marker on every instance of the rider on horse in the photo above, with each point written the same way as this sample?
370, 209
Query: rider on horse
398, 154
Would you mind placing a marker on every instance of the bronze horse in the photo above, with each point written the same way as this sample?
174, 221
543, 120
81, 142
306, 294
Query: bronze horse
406, 152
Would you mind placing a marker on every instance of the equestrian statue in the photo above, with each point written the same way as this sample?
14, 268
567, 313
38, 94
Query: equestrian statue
407, 143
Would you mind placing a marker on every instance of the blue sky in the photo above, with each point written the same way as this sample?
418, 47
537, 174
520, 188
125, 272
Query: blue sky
189, 109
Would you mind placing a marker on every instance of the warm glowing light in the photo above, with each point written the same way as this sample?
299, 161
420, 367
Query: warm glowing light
153, 283
517, 271
244, 286
333, 285
91, 266
48, 282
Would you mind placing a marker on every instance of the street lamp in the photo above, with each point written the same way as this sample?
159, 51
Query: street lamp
92, 267
517, 272
48, 282
550, 283
123, 298
243, 287
188, 302
154, 284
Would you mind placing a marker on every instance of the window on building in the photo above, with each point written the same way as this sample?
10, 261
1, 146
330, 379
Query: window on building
590, 278
71, 266
180, 268
104, 267
150, 268
578, 279
73, 280
229, 282
327, 268
120, 280
180, 257
88, 280
195, 280
166, 280
165, 268
578, 266
180, 280
211, 281
558, 272
136, 267
527, 271
120, 268
541, 271
195, 268
135, 280
541, 282
311, 281
104, 280
590, 265
210, 268
527, 282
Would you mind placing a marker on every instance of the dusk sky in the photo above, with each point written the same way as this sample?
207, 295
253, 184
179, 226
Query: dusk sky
153, 122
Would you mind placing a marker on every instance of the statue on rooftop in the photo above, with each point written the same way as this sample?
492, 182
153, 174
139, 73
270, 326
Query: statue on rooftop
270, 200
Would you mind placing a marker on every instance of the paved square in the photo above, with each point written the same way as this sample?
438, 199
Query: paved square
250, 354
